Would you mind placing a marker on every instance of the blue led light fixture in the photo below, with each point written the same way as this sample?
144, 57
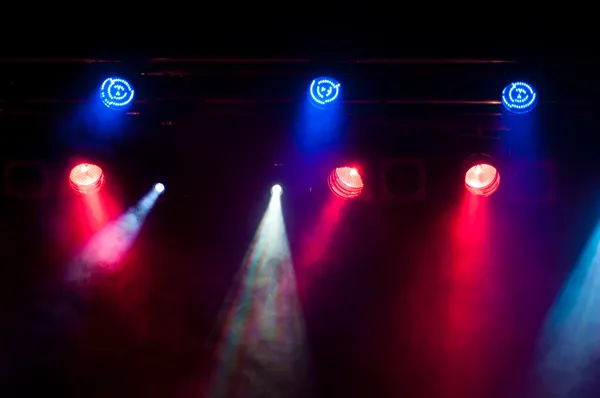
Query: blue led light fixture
116, 93
519, 97
324, 91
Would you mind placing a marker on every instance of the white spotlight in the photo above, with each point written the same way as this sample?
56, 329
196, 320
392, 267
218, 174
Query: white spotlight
159, 188
276, 190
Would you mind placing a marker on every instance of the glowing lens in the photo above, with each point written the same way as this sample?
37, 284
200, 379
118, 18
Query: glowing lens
85, 178
345, 182
116, 93
482, 179
323, 91
276, 190
519, 97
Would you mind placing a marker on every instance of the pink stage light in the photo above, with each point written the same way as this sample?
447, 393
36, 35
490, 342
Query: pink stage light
482, 179
345, 182
86, 177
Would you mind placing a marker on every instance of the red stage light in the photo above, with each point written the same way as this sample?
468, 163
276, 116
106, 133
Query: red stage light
86, 178
482, 179
345, 182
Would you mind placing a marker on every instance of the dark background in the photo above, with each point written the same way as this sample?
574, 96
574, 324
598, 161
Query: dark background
376, 311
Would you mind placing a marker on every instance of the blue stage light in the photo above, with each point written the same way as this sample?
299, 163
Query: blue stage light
116, 93
519, 97
324, 91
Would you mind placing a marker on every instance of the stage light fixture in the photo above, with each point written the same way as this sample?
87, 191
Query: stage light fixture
116, 93
519, 97
324, 91
481, 176
276, 190
345, 182
86, 178
160, 188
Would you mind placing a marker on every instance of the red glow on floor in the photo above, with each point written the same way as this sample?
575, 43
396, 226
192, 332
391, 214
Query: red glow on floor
471, 282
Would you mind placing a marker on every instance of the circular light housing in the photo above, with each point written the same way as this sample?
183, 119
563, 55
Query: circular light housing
86, 177
160, 188
116, 93
519, 97
482, 179
345, 182
324, 91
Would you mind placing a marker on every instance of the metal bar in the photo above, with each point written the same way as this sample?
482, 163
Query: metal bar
280, 101
231, 60
164, 60
308, 60
443, 102
250, 101
57, 61
290, 100
54, 101
432, 61
159, 60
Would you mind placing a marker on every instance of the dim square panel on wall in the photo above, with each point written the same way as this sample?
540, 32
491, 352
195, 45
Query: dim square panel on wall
27, 179
402, 179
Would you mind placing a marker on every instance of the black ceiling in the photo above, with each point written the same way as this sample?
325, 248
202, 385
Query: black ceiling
288, 39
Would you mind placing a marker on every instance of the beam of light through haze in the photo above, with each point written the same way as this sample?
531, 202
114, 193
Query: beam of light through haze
472, 298
570, 342
106, 249
262, 348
